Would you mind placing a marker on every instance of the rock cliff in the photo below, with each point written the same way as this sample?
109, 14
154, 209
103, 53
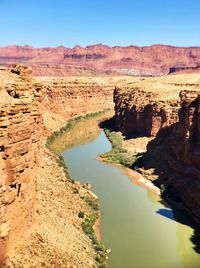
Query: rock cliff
173, 127
76, 96
138, 113
179, 168
27, 109
130, 60
20, 131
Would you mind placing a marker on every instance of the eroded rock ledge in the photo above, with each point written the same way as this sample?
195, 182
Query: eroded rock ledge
174, 128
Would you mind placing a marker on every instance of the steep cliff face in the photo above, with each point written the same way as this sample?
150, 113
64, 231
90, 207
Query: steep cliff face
130, 60
20, 125
76, 96
26, 106
138, 113
181, 141
174, 149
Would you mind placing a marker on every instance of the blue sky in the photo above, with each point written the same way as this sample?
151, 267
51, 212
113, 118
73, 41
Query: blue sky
44, 23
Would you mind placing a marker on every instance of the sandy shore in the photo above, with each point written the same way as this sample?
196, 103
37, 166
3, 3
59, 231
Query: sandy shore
138, 179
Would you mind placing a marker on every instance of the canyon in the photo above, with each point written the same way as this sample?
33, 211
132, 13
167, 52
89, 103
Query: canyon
31, 109
101, 59
169, 119
159, 113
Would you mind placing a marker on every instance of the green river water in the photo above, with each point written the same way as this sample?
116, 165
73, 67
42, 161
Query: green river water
139, 230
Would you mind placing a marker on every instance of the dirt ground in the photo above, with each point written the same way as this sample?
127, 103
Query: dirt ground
56, 238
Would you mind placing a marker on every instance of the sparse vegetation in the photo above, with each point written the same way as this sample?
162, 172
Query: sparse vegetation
75, 190
118, 154
90, 219
81, 214
69, 125
92, 203
88, 228
61, 163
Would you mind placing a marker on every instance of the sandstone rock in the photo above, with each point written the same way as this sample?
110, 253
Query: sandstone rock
102, 59
138, 113
4, 229
24, 99
174, 153
9, 197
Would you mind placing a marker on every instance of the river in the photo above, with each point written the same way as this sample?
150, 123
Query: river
140, 231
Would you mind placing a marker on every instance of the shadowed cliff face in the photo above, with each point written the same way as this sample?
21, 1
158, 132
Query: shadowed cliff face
131, 60
174, 153
181, 142
137, 113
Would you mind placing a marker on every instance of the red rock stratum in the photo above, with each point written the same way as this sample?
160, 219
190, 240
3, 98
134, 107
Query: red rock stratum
98, 59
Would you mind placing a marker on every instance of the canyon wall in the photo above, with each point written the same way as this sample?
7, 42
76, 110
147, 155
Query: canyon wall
26, 106
95, 59
20, 130
181, 142
76, 96
138, 113
174, 149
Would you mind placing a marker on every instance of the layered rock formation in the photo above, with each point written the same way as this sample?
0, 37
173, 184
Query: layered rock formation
138, 113
131, 60
76, 96
173, 152
27, 106
20, 130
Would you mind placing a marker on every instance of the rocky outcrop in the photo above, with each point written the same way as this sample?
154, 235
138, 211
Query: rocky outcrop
138, 113
25, 101
174, 150
130, 60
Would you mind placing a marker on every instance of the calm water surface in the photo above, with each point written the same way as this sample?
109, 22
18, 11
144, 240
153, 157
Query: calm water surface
140, 231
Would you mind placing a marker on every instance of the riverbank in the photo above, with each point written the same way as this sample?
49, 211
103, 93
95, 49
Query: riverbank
138, 179
134, 221
91, 216
126, 153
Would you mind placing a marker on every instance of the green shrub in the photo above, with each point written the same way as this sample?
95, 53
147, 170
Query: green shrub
118, 154
99, 259
92, 203
100, 247
81, 214
75, 190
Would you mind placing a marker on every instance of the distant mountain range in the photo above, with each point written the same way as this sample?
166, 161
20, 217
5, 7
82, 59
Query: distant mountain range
102, 59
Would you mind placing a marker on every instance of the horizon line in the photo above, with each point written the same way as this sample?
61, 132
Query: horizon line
97, 44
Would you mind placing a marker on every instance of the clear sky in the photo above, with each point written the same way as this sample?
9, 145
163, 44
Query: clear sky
43, 23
